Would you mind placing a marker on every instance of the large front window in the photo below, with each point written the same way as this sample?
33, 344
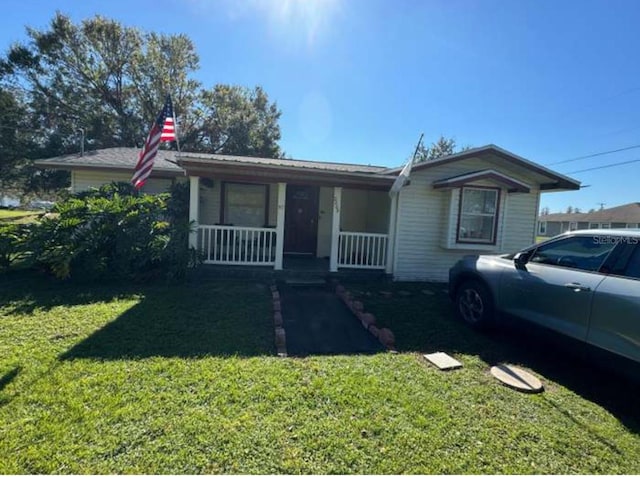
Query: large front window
478, 215
245, 204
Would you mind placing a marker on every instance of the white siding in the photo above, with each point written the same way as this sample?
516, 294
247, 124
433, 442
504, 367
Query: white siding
426, 216
82, 180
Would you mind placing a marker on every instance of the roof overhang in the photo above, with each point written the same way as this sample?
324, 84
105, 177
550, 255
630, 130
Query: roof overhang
551, 180
157, 172
252, 173
513, 185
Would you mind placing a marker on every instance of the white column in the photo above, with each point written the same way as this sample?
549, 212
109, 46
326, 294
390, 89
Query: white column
194, 209
282, 200
335, 228
393, 213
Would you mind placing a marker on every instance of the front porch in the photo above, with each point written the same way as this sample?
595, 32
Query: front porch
290, 226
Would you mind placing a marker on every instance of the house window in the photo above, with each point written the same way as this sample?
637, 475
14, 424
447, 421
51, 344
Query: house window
478, 216
573, 226
594, 226
605, 226
542, 228
244, 204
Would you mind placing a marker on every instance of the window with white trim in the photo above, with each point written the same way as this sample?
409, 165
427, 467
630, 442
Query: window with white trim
605, 226
245, 204
594, 226
542, 228
478, 215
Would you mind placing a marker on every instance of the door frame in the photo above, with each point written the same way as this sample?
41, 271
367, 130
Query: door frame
315, 196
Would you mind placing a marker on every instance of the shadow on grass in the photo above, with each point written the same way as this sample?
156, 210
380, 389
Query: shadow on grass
27, 291
9, 376
205, 319
425, 322
182, 321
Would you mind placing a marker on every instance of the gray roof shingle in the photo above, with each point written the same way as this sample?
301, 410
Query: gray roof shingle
167, 160
125, 158
629, 213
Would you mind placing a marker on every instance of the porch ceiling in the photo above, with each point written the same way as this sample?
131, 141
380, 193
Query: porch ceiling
260, 173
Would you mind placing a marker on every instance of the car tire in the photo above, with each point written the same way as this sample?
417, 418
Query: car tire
474, 304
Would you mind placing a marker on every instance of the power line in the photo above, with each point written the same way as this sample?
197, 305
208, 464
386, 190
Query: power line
593, 155
611, 165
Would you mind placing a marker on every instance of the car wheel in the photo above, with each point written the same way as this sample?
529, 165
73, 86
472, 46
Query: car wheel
474, 304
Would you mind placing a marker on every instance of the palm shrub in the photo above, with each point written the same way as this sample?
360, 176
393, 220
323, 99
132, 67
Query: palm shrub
113, 233
13, 238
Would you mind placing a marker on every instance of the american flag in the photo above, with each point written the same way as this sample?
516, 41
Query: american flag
162, 130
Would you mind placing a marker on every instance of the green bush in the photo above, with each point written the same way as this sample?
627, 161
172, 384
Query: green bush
115, 233
13, 238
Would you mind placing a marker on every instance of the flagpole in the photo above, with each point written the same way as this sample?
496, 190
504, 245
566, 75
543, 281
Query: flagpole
417, 147
175, 128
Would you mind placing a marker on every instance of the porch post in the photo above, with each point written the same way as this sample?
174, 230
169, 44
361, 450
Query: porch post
335, 228
393, 213
282, 199
194, 209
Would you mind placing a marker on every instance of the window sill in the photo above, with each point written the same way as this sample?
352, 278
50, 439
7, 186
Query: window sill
472, 246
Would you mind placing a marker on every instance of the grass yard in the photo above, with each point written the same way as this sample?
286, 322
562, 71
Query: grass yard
19, 216
159, 379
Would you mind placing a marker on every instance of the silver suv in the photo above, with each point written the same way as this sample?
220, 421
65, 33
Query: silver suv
583, 284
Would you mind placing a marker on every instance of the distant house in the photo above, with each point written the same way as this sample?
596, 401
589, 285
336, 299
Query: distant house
264, 211
624, 216
7, 201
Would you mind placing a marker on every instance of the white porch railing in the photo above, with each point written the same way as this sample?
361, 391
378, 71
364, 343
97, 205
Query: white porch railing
362, 250
239, 245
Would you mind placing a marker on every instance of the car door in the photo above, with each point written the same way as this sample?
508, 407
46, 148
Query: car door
615, 314
555, 287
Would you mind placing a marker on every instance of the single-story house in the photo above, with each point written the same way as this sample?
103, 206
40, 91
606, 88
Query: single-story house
261, 211
623, 216
7, 201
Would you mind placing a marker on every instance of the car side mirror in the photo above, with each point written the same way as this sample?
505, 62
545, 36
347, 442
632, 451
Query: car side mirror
520, 259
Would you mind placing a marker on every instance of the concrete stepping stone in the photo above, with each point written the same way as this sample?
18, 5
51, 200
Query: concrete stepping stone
443, 361
517, 378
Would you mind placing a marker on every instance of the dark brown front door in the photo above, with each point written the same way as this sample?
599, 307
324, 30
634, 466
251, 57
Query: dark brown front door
301, 219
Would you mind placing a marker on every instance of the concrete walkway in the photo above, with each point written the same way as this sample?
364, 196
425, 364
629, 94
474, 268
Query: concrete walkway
317, 322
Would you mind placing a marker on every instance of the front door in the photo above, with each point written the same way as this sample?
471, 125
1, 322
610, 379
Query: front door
301, 219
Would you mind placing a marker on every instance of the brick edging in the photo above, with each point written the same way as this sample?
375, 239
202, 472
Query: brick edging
368, 320
278, 323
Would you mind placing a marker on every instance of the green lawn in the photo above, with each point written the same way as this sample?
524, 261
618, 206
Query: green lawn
159, 379
19, 216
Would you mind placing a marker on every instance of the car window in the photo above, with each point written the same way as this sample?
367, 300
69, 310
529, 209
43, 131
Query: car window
586, 253
633, 266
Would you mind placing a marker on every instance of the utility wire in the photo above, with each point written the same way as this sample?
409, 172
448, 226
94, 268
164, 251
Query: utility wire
593, 155
611, 165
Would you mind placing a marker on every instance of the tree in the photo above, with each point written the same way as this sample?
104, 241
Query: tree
14, 138
235, 120
110, 80
442, 147
102, 77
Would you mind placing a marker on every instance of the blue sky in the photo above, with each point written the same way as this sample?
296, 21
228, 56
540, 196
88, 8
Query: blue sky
359, 80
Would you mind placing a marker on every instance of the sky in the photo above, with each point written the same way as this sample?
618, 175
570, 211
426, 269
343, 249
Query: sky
358, 80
